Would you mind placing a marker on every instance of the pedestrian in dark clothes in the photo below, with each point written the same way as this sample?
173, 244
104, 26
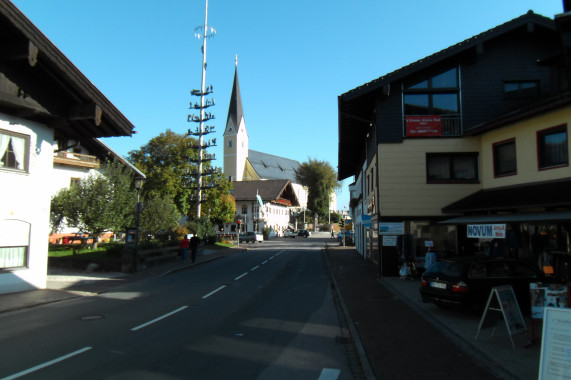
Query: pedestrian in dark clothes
194, 243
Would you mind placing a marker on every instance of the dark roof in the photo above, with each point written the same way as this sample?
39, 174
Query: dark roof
235, 111
40, 83
549, 195
356, 107
269, 191
272, 167
469, 43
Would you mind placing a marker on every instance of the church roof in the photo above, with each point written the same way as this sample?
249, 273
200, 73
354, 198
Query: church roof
269, 166
269, 191
235, 111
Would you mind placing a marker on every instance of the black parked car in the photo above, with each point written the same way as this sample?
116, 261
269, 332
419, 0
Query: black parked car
467, 281
304, 233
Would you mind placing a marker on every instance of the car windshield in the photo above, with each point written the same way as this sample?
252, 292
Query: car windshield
446, 268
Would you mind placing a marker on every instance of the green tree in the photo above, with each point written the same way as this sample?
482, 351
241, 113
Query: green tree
158, 215
321, 181
165, 162
219, 206
98, 203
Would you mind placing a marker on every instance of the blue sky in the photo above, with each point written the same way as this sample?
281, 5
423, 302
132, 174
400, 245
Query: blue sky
294, 58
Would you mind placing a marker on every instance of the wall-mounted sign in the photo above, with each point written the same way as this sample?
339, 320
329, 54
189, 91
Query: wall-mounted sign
389, 241
423, 126
391, 228
486, 231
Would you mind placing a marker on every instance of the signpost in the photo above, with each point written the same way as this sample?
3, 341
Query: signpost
502, 300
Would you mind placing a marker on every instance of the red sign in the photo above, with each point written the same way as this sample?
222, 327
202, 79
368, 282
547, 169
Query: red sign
421, 126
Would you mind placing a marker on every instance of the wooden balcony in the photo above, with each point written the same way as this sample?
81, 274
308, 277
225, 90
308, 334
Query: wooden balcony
76, 160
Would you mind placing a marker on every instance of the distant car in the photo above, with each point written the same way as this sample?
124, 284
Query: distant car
251, 237
291, 234
304, 233
466, 281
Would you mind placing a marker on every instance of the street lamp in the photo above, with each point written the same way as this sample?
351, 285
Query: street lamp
138, 182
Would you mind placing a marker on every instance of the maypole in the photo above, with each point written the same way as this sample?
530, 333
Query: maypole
202, 32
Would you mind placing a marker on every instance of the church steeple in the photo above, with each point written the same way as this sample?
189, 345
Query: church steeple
235, 135
235, 111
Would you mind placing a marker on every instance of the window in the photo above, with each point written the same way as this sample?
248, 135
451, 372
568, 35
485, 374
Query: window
552, 147
14, 148
521, 89
452, 167
437, 95
230, 143
14, 249
504, 158
74, 181
244, 209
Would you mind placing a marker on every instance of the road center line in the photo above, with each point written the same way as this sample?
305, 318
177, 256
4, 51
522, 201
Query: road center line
240, 276
254, 268
329, 374
47, 364
158, 319
265, 261
214, 291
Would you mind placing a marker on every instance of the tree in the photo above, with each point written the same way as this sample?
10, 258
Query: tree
165, 162
321, 181
98, 203
220, 206
158, 215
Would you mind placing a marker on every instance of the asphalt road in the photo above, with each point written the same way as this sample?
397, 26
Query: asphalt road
265, 314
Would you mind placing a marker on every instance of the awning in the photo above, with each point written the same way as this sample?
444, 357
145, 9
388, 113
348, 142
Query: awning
511, 218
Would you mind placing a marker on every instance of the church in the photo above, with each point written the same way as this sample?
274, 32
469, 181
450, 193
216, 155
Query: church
265, 188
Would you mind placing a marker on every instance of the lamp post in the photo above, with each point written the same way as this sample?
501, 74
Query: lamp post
138, 182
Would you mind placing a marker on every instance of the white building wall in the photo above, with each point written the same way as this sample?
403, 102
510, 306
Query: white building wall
26, 199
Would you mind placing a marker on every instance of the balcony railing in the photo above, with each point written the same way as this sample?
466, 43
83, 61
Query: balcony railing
76, 159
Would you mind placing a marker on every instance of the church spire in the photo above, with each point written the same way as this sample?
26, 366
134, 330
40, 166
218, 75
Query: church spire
235, 111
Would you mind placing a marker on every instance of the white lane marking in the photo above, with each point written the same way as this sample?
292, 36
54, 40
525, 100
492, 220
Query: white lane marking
158, 319
263, 262
329, 374
271, 257
254, 268
240, 276
214, 291
46, 364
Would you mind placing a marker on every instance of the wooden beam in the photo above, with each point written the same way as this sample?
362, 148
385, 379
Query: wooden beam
86, 112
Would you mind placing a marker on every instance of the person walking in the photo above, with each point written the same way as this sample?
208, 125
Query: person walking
183, 247
194, 243
332, 234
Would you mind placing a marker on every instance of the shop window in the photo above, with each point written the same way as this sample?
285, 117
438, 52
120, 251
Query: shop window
521, 89
14, 248
504, 158
552, 147
452, 168
14, 150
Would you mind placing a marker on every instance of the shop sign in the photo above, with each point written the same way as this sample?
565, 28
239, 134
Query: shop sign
487, 231
391, 228
423, 126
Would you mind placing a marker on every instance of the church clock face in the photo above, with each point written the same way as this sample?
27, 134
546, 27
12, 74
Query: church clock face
230, 130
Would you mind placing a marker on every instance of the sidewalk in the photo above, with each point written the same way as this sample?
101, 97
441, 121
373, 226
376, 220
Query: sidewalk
405, 338
64, 284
